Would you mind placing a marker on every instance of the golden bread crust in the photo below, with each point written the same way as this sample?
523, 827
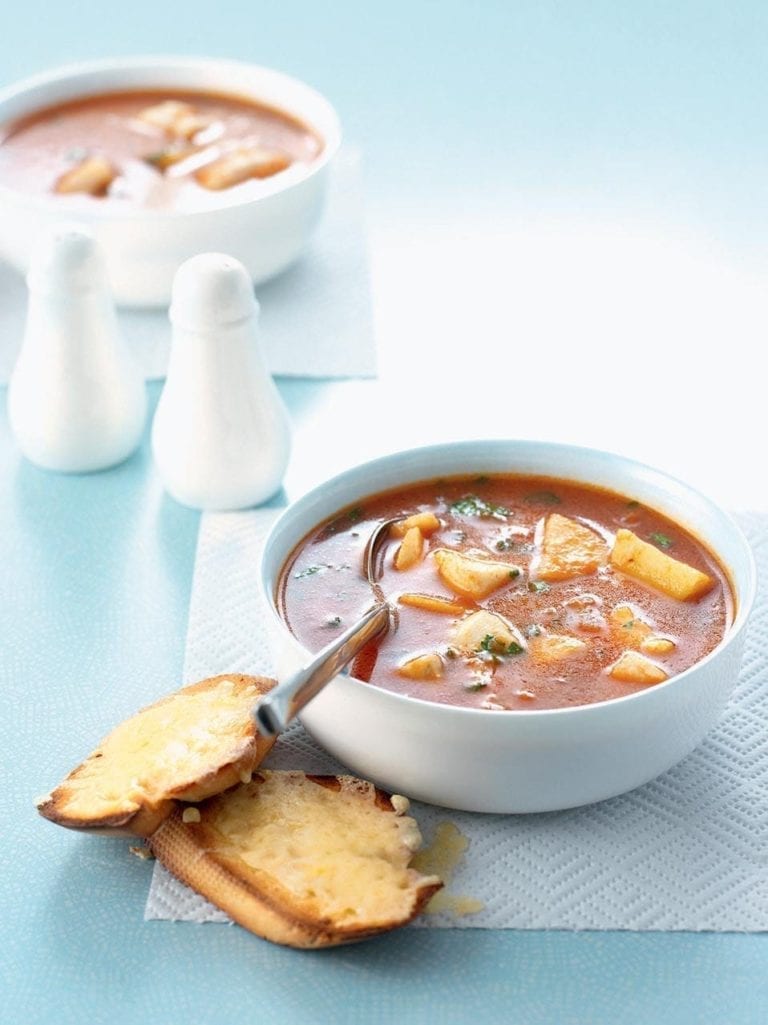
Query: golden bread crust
270, 902
228, 753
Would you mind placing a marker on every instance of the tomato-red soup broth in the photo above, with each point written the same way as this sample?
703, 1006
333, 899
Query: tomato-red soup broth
513, 593
151, 149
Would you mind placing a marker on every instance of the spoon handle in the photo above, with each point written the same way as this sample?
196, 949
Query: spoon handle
277, 708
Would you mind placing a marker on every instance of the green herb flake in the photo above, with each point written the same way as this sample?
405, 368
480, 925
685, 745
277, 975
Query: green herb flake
509, 544
341, 523
156, 159
309, 572
634, 504
661, 539
482, 479
538, 586
492, 646
472, 505
543, 498
514, 573
450, 653
333, 622
629, 624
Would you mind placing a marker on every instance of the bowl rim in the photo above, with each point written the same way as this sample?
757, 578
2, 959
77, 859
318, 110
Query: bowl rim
744, 602
330, 134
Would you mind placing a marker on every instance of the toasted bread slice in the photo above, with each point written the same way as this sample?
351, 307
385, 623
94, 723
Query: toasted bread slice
306, 861
186, 747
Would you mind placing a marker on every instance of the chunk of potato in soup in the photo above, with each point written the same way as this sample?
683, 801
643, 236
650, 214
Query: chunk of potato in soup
152, 149
580, 631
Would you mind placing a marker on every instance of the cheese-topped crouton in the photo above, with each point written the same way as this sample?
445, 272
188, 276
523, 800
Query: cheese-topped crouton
93, 175
307, 861
240, 165
476, 578
187, 746
569, 549
632, 667
647, 563
175, 118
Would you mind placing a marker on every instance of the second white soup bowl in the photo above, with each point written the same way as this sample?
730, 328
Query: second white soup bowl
266, 231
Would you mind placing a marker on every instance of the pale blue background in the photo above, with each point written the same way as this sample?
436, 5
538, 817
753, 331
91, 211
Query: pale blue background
606, 110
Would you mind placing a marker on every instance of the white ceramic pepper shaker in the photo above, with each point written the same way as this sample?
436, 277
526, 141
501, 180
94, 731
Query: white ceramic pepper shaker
221, 435
76, 400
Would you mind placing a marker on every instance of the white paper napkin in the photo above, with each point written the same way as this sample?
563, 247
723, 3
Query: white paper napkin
316, 318
688, 851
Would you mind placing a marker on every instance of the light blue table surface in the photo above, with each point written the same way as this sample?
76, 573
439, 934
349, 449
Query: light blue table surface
613, 111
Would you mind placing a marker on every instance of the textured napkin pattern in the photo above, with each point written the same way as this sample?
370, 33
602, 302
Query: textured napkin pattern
316, 318
688, 851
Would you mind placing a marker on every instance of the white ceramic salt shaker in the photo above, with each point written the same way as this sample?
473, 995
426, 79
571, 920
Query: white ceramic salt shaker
221, 435
76, 399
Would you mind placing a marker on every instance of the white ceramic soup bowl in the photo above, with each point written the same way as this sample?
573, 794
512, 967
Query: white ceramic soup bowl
143, 248
516, 761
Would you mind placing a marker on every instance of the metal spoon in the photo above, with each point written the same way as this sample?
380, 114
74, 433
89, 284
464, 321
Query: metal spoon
278, 707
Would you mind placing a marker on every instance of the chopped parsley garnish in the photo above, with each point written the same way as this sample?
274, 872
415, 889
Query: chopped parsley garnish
490, 644
634, 504
310, 571
629, 624
472, 505
661, 540
450, 653
514, 573
510, 544
353, 515
543, 498
538, 586
482, 479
